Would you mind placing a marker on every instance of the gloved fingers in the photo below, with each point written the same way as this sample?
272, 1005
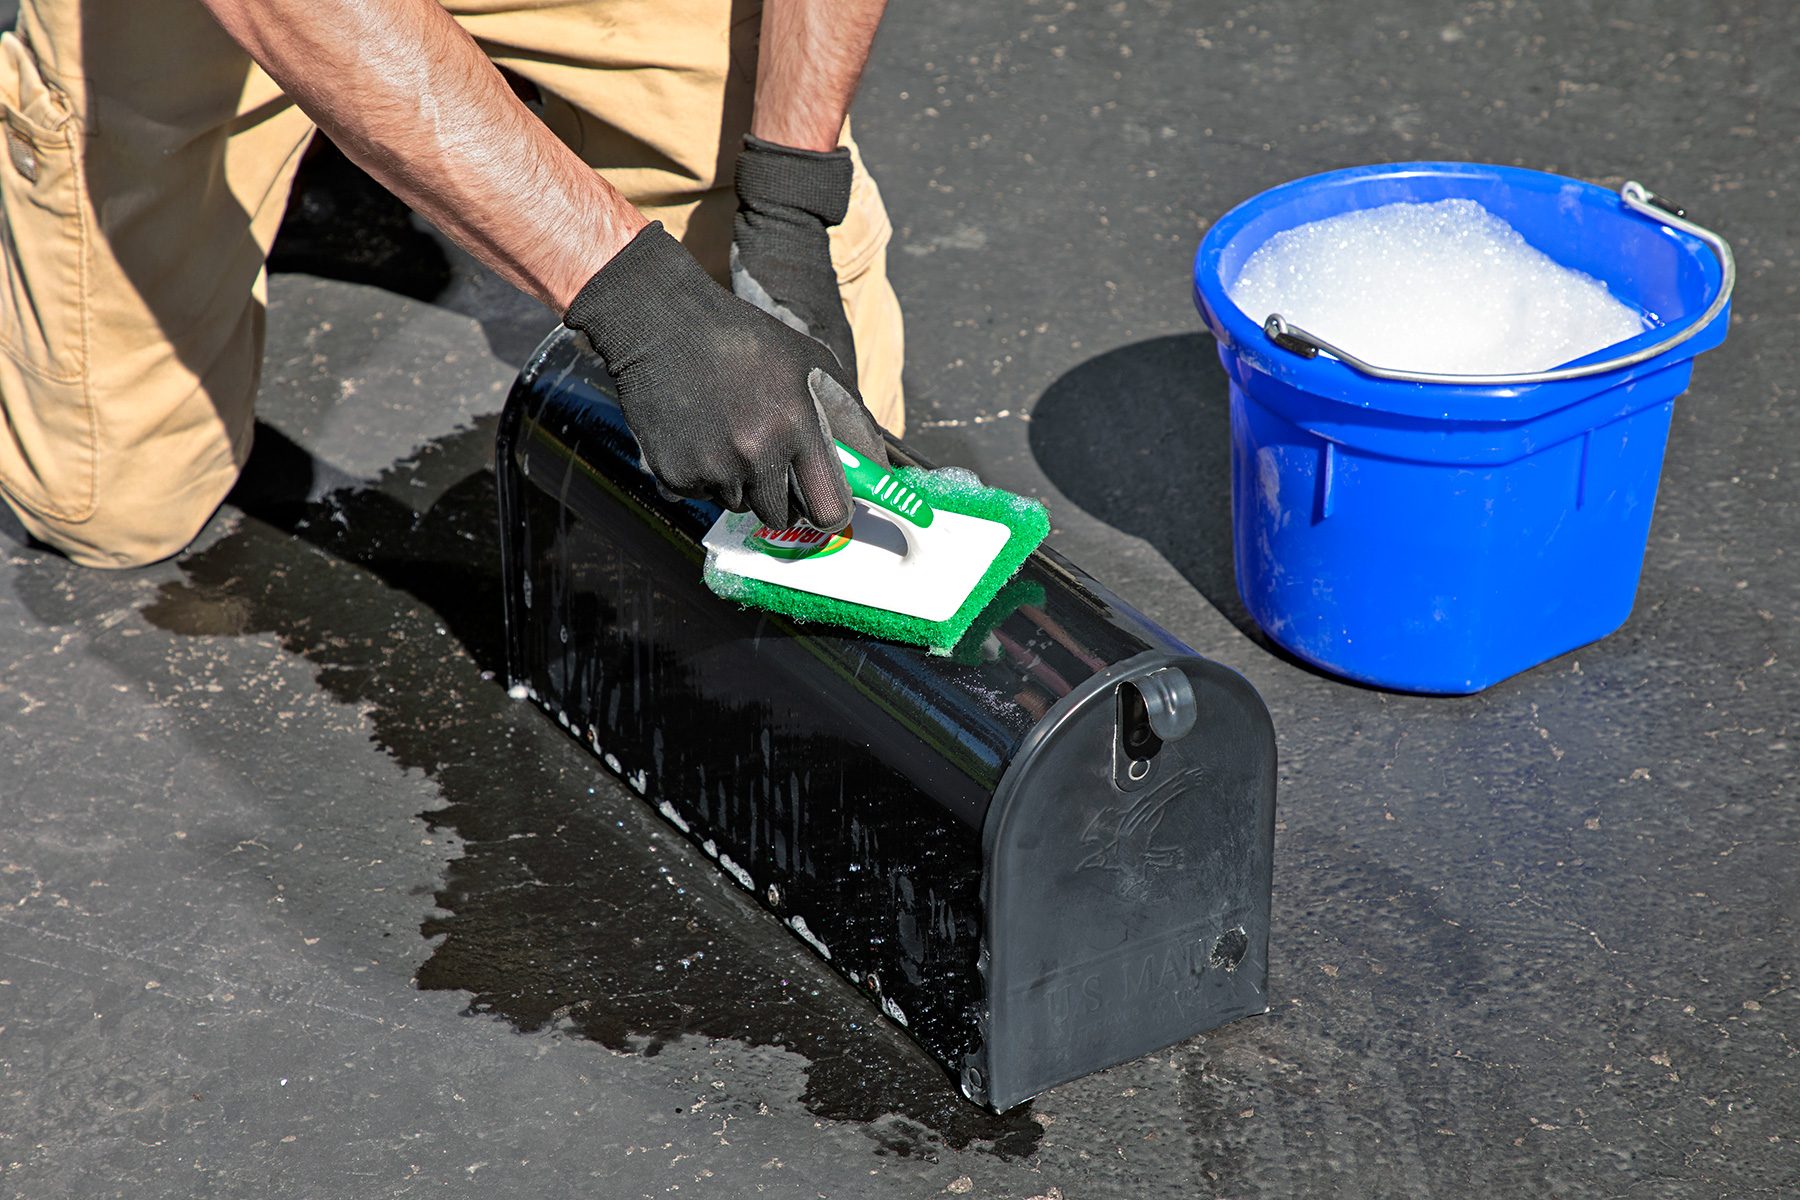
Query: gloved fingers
846, 419
730, 493
824, 496
767, 497
674, 484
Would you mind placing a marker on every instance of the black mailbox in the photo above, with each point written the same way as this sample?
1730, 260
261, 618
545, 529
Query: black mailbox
1042, 854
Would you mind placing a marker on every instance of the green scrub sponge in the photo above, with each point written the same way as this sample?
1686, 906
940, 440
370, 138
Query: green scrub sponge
948, 490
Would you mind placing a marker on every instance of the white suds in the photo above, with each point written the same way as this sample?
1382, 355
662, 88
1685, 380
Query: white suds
1446, 287
893, 1010
738, 873
798, 925
671, 816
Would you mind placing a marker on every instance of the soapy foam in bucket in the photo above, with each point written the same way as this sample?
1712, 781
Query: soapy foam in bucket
1445, 287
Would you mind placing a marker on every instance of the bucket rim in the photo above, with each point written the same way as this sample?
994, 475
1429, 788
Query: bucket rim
1242, 337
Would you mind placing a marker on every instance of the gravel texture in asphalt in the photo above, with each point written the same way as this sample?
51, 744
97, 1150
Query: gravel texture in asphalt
295, 902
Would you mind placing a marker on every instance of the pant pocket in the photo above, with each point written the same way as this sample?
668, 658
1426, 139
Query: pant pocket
47, 448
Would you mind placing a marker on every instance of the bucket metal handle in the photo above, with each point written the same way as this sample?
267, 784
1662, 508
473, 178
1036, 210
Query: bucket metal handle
1636, 196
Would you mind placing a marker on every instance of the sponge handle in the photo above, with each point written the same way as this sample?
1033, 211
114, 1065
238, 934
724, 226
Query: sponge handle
881, 487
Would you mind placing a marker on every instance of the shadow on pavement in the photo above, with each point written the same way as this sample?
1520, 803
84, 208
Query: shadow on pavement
1140, 438
341, 224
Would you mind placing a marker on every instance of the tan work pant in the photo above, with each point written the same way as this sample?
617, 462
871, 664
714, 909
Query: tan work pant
149, 163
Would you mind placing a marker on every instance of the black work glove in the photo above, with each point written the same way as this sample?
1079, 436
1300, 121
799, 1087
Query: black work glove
780, 250
726, 401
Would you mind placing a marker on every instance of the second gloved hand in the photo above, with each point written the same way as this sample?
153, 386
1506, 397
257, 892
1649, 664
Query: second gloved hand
726, 401
788, 200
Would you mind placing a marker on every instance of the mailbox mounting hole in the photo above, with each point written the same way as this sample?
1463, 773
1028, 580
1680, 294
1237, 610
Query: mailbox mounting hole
1136, 737
1135, 744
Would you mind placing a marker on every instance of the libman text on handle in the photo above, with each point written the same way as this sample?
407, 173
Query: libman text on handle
799, 542
869, 481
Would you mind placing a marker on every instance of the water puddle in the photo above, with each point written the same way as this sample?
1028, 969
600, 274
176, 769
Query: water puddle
571, 908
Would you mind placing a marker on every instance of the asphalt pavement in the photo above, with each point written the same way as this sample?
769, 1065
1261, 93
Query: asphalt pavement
295, 902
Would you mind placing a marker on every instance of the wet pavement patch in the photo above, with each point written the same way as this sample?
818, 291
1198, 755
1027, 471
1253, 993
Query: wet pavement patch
571, 909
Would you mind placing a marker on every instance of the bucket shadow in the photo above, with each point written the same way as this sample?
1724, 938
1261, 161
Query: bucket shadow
564, 910
1140, 439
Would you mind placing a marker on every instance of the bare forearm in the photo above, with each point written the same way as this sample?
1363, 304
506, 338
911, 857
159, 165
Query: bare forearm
811, 60
409, 96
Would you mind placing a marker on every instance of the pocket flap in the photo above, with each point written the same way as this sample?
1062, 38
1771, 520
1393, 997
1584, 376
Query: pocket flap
32, 106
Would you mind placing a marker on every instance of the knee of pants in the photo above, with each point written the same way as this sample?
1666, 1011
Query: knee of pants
141, 499
133, 532
155, 449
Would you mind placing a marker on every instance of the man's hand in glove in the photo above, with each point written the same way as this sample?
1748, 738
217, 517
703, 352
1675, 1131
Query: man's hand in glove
727, 402
788, 200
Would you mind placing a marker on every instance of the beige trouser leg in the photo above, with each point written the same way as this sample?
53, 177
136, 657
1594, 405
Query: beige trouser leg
859, 252
148, 168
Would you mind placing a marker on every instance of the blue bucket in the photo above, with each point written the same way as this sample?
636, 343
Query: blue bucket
1440, 533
